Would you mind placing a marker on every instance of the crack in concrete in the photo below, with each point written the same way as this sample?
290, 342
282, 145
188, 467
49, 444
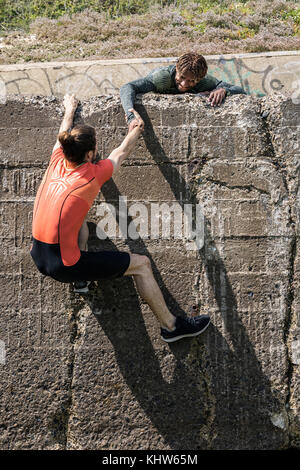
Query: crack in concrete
22, 166
291, 268
65, 416
272, 157
248, 187
288, 322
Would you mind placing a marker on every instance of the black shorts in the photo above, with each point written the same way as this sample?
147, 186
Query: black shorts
91, 266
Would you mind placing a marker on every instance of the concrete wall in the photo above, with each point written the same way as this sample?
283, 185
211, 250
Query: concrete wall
92, 372
258, 74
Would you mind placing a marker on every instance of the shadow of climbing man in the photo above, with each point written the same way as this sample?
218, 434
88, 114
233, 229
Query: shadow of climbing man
170, 388
237, 380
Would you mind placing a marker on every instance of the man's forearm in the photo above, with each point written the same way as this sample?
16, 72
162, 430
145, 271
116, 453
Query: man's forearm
127, 96
67, 121
210, 83
129, 91
70, 105
129, 142
231, 89
119, 154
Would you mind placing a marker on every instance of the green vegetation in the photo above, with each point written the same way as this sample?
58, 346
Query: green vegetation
43, 30
293, 14
20, 13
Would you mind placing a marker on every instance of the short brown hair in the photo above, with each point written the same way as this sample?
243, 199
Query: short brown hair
193, 63
76, 143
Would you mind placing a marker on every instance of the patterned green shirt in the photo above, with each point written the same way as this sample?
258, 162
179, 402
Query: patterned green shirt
162, 80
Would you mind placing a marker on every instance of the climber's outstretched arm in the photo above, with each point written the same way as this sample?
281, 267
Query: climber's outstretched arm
70, 104
120, 153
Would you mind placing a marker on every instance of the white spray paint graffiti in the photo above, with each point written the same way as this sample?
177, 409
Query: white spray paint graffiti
283, 74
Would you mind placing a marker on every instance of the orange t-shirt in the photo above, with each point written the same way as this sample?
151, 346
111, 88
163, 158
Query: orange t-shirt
63, 200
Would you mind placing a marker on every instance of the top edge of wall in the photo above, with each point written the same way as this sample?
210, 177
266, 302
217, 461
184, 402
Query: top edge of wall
146, 60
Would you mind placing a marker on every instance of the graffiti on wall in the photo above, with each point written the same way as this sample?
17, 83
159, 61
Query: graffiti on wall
99, 79
85, 82
271, 78
235, 71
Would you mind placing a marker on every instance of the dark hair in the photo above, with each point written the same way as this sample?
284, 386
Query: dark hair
193, 63
76, 143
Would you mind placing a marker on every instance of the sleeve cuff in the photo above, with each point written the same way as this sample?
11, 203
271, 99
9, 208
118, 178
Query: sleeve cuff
130, 117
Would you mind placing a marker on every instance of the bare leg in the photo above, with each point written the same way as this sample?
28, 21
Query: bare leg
83, 237
140, 269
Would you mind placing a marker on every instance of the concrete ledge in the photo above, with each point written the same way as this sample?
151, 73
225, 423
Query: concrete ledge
258, 74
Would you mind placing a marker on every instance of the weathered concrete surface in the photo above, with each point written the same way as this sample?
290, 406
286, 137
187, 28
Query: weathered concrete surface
283, 123
258, 73
93, 373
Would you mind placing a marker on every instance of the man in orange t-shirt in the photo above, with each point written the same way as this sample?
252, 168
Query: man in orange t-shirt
67, 191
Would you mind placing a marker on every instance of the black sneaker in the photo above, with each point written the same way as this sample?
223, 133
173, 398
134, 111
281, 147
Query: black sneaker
81, 287
185, 327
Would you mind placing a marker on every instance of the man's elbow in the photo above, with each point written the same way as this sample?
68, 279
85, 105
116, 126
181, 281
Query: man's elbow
237, 90
115, 164
125, 88
241, 90
116, 161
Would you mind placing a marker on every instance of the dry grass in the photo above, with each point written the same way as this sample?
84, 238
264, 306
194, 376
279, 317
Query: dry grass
230, 27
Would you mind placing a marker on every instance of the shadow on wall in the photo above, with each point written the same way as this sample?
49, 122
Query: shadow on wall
217, 396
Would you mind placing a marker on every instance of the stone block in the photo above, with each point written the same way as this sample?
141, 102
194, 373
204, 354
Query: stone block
16, 222
148, 183
23, 111
283, 120
241, 200
20, 183
35, 381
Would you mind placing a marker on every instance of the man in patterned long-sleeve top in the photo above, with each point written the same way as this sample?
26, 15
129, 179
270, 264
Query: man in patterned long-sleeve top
189, 75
